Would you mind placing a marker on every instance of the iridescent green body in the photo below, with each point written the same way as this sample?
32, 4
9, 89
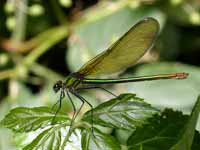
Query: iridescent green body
71, 81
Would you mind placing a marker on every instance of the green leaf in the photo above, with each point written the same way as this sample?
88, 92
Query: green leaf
24, 119
123, 112
98, 141
196, 141
53, 139
163, 132
187, 134
6, 136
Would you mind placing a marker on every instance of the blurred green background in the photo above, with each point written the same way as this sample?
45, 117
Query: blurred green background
43, 41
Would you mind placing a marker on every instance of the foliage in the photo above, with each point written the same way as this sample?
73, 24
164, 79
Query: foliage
31, 119
125, 112
150, 129
41, 42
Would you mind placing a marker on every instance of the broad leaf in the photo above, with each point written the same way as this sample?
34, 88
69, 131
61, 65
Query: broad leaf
162, 132
187, 134
98, 141
123, 112
23, 119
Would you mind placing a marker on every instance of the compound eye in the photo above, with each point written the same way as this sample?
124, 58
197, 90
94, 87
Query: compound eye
57, 86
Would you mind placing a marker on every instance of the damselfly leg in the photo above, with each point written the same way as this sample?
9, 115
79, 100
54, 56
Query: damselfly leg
62, 95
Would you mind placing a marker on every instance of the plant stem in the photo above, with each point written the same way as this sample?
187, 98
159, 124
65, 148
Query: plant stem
20, 27
43, 71
58, 34
7, 74
52, 37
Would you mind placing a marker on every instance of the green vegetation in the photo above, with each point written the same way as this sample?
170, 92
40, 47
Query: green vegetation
42, 42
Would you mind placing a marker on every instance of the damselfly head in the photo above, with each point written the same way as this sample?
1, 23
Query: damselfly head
57, 86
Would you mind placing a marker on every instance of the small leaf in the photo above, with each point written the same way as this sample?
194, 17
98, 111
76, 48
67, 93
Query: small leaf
98, 141
24, 119
123, 112
187, 134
